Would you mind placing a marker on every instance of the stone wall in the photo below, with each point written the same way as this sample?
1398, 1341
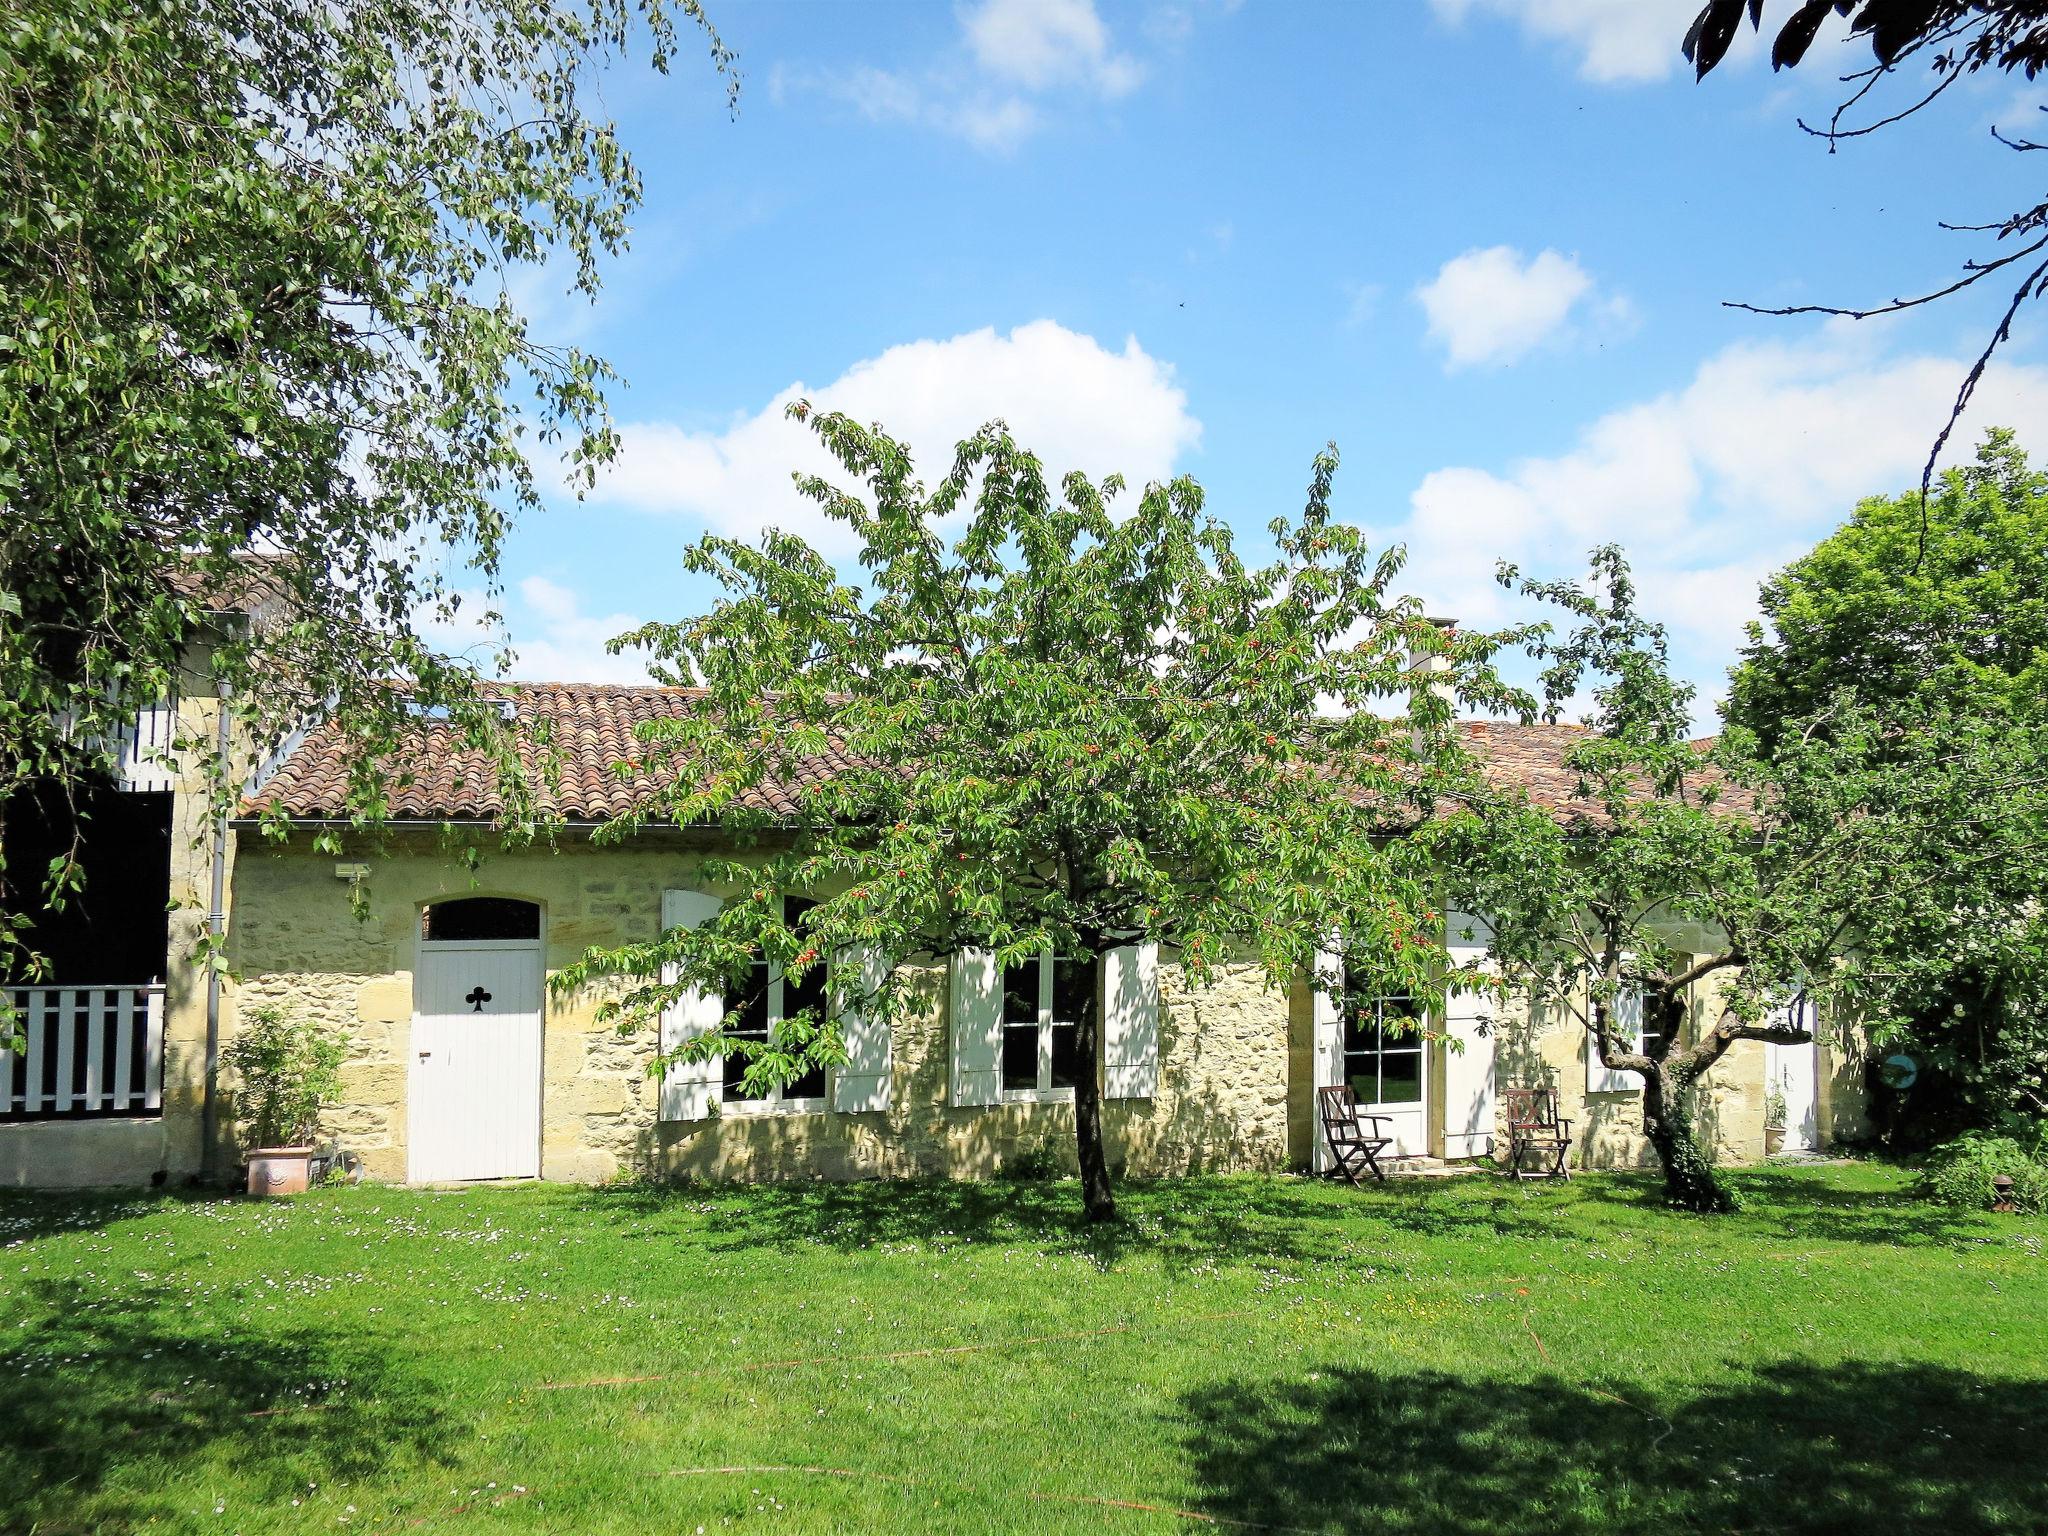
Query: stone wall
1223, 1097
1536, 1049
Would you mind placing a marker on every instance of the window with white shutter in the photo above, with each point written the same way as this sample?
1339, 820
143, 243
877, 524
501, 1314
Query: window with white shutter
1628, 1024
863, 1083
687, 1087
757, 1009
1130, 1016
976, 1029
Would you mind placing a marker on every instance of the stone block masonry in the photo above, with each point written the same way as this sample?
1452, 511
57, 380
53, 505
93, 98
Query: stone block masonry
1222, 1104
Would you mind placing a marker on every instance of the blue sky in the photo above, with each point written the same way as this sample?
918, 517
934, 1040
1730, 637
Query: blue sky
1481, 244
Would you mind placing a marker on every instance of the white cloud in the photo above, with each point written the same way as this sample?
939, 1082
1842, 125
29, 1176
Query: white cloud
1710, 487
1070, 400
1009, 56
556, 641
1618, 42
1490, 307
551, 637
993, 122
1044, 43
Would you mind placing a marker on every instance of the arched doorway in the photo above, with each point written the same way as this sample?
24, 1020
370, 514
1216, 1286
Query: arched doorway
474, 1083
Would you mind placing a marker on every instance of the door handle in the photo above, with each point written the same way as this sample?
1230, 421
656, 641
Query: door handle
425, 1054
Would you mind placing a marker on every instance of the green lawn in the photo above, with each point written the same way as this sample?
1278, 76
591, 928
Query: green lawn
1270, 1353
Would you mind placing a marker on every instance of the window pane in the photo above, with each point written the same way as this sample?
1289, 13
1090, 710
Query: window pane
1361, 1025
1020, 1056
1382, 1048
797, 997
1064, 1073
1020, 993
1401, 1077
806, 994
480, 917
750, 1023
809, 993
1073, 984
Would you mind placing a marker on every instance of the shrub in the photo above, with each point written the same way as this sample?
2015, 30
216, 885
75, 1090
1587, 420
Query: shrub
1032, 1164
1774, 1107
289, 1068
1961, 1172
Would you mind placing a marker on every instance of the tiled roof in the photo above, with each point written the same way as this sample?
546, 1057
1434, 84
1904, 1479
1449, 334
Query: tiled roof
1527, 757
1531, 758
592, 728
593, 725
254, 585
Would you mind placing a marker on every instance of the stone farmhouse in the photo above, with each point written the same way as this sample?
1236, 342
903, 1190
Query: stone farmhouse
466, 1065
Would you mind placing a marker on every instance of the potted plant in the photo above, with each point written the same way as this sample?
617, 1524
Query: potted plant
1774, 1120
289, 1069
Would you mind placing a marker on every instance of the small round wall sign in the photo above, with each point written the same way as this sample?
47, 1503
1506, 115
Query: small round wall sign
1899, 1072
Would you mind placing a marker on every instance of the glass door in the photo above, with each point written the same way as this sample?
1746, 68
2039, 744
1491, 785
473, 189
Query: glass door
1385, 1063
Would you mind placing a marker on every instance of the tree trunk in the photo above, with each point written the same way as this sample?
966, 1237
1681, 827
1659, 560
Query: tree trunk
1097, 1199
1690, 1183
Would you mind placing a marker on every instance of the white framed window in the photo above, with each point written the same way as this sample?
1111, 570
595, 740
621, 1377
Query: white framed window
756, 1013
1042, 1002
1630, 1022
1649, 1036
1383, 1048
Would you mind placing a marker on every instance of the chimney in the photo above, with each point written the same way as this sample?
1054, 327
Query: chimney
1428, 669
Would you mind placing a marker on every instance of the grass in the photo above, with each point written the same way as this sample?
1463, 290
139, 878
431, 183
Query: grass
1454, 1356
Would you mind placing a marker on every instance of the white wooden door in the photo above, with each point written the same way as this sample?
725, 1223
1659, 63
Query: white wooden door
474, 1100
1795, 1071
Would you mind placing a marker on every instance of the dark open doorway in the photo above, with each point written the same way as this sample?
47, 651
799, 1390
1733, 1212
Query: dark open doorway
117, 929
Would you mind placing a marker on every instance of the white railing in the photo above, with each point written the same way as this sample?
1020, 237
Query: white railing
146, 758
141, 749
89, 1051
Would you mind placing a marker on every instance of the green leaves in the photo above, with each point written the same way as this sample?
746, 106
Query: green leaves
259, 357
1056, 715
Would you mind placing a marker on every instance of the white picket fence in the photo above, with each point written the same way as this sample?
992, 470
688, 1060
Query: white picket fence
90, 1051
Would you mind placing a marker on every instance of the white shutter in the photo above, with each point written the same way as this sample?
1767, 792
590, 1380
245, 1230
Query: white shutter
1327, 1045
687, 1087
863, 1083
977, 1029
1130, 1010
1469, 1081
1628, 1024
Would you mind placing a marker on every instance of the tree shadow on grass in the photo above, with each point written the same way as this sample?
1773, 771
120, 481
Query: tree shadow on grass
1800, 1206
1184, 1223
1857, 1447
104, 1400
26, 1215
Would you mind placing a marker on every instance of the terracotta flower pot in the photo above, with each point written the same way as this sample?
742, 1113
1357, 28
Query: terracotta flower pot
280, 1170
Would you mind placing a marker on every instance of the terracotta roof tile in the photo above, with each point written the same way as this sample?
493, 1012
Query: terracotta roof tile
436, 779
1531, 758
593, 728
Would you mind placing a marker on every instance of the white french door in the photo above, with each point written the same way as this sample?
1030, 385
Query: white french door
1372, 1044
1386, 1062
473, 1101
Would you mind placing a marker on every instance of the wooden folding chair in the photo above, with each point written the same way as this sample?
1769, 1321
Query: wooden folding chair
1345, 1128
1534, 1126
